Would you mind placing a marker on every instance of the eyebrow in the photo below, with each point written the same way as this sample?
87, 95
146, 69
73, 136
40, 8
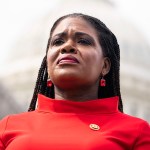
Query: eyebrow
81, 33
62, 34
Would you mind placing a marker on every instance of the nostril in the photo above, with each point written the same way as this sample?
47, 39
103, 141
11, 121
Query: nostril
72, 50
63, 51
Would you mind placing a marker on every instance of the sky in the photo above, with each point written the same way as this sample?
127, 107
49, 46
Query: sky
16, 14
137, 12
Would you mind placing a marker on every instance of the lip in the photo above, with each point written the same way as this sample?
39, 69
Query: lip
67, 59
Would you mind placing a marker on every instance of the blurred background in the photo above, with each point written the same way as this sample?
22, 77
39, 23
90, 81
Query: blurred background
24, 31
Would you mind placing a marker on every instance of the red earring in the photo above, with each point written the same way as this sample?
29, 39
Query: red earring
49, 82
102, 82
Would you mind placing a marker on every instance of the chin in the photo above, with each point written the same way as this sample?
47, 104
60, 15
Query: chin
67, 74
67, 80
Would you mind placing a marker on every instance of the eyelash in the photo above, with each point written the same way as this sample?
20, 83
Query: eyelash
57, 42
84, 42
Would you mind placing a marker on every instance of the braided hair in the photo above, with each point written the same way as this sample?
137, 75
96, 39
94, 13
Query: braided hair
110, 49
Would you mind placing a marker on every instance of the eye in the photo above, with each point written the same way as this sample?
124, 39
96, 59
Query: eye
84, 41
57, 42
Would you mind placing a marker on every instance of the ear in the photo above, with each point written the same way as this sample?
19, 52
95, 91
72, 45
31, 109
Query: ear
106, 66
47, 65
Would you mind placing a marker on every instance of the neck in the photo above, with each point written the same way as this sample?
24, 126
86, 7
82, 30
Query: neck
79, 94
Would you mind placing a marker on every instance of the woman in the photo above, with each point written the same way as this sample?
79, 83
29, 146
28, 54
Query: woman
78, 92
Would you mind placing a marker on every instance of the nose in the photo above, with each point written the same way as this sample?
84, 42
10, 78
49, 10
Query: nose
68, 48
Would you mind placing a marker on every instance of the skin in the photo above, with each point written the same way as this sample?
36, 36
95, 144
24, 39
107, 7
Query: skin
76, 81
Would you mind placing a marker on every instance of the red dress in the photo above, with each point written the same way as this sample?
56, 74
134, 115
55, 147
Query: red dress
68, 125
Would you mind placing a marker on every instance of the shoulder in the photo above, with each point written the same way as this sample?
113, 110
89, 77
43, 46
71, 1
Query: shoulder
131, 118
138, 128
132, 122
16, 118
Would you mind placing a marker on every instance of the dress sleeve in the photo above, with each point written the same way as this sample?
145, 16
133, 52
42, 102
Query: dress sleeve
3, 123
143, 140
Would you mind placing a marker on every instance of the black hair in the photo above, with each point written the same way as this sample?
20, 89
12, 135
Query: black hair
110, 49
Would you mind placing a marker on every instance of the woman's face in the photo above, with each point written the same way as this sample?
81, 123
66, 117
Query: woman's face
75, 58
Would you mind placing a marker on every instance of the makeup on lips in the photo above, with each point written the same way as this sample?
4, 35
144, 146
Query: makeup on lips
67, 59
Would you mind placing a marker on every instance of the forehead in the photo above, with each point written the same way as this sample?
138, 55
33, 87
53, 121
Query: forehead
75, 25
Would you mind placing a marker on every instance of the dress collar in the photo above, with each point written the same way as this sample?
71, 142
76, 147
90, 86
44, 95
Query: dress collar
104, 105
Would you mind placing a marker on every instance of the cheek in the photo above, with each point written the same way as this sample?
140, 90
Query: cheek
52, 53
94, 62
51, 58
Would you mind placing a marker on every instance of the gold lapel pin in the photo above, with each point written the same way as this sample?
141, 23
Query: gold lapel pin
94, 126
